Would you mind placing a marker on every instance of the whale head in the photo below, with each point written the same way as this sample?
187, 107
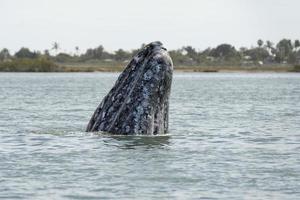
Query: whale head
138, 103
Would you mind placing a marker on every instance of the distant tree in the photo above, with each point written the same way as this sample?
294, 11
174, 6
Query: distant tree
63, 57
284, 48
88, 54
77, 50
260, 43
242, 51
296, 44
206, 52
121, 55
4, 54
46, 53
55, 46
224, 51
192, 54
269, 44
190, 51
97, 53
270, 48
179, 58
257, 54
25, 53
294, 56
134, 51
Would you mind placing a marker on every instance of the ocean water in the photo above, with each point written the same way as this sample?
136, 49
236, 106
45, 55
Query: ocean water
232, 136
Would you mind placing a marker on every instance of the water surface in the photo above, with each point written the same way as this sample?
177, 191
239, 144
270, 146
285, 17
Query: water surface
232, 136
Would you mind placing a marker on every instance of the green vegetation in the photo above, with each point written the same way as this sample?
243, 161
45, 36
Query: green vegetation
284, 56
29, 65
296, 68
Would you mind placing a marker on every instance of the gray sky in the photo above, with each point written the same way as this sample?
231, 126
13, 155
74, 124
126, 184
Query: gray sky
129, 23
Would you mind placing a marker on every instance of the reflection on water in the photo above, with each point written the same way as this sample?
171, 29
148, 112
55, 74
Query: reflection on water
133, 142
232, 136
120, 141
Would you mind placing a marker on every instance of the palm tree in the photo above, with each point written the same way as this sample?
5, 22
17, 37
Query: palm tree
4, 54
260, 43
296, 44
55, 46
77, 50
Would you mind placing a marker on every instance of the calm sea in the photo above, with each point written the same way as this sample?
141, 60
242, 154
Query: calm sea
232, 136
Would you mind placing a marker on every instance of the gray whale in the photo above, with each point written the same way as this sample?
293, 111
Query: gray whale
138, 103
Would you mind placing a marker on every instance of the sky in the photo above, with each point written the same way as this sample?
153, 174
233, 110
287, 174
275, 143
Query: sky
127, 24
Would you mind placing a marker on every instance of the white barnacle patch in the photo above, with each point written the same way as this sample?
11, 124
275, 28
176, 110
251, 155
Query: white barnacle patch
145, 104
153, 63
136, 129
128, 100
148, 75
127, 129
137, 118
140, 110
157, 56
103, 114
157, 68
145, 92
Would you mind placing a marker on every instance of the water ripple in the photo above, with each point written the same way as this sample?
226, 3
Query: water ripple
232, 136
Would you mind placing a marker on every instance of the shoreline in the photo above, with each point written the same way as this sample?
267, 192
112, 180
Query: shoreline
176, 70
119, 67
